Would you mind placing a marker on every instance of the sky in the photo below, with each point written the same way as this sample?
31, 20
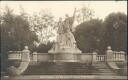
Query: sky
60, 8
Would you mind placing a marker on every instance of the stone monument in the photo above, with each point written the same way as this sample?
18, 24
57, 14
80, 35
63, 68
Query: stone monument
65, 44
65, 39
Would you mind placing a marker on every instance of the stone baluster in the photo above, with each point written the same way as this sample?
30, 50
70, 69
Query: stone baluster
125, 56
103, 58
122, 55
100, 58
118, 56
114, 56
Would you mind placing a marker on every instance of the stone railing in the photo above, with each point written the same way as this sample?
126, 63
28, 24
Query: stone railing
101, 58
110, 56
39, 57
125, 56
15, 55
119, 56
115, 55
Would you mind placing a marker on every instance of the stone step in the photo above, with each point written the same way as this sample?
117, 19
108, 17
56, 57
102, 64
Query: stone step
72, 74
106, 71
70, 69
66, 77
103, 68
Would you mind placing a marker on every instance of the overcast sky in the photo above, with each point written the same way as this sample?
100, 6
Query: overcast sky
60, 8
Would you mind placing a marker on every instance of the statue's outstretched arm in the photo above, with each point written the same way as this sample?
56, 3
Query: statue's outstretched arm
74, 15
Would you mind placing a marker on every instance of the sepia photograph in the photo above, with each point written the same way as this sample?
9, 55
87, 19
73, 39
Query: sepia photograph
63, 40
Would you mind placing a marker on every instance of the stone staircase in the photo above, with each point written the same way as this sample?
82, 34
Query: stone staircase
68, 71
103, 69
99, 68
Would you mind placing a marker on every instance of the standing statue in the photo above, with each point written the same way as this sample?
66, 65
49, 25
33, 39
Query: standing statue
65, 38
70, 40
65, 31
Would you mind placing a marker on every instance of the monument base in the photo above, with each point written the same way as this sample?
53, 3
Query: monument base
65, 50
65, 54
66, 57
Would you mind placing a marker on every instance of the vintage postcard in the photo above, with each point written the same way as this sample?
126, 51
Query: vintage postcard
63, 40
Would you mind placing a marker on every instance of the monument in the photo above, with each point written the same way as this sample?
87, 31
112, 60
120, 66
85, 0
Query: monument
65, 45
71, 60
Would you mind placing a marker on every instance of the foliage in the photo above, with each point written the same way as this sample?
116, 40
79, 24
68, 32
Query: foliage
83, 14
116, 31
97, 35
43, 48
43, 25
15, 33
89, 35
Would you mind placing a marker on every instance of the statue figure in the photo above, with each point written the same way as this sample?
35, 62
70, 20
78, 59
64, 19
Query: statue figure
65, 32
70, 40
69, 22
65, 37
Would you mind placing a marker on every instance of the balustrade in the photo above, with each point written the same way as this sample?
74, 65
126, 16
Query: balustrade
119, 56
15, 55
110, 56
101, 58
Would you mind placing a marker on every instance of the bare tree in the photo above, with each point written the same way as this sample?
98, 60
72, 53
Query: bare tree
83, 14
43, 25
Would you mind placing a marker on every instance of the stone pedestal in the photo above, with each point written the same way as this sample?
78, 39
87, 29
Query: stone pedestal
109, 54
66, 57
94, 55
65, 54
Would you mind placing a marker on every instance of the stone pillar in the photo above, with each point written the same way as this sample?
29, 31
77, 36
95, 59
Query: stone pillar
94, 55
26, 54
122, 55
12, 70
109, 53
34, 56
